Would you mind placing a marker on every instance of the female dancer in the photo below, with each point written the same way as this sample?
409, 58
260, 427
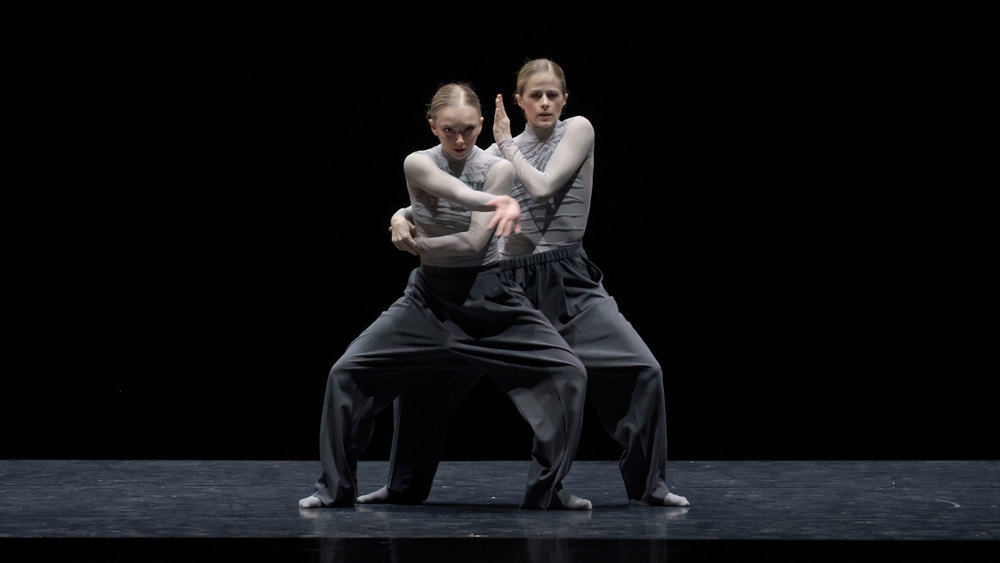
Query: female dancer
554, 163
458, 313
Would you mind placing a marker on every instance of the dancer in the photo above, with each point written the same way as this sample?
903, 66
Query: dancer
457, 313
554, 163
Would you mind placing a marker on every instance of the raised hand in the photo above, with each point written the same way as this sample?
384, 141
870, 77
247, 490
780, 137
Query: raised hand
508, 215
501, 123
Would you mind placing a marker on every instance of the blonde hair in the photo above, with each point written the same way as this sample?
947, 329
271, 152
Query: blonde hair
535, 66
453, 94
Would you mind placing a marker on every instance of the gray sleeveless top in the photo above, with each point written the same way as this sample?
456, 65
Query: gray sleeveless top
434, 216
559, 220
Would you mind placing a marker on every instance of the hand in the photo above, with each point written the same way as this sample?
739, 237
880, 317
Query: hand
501, 123
403, 232
507, 219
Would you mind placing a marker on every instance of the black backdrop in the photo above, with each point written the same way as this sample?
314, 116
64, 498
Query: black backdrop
786, 207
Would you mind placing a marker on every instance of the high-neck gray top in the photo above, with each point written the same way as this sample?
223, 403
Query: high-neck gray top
436, 216
555, 178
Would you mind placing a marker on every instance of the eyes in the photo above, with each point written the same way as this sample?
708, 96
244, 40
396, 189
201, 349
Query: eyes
539, 94
451, 132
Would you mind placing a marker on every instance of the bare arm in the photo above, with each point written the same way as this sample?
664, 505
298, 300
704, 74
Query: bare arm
573, 149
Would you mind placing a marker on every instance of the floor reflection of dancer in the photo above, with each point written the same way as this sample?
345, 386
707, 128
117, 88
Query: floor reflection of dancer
458, 312
554, 163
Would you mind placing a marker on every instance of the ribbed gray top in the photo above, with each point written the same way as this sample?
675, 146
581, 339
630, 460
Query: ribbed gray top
560, 219
434, 216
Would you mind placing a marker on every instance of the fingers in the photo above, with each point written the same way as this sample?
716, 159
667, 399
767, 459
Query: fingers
404, 242
501, 112
402, 245
503, 229
507, 218
508, 224
504, 224
501, 222
411, 247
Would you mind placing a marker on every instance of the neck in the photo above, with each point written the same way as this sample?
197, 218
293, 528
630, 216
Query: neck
456, 165
543, 133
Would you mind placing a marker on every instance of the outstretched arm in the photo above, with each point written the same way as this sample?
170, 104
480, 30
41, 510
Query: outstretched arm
422, 173
499, 180
573, 149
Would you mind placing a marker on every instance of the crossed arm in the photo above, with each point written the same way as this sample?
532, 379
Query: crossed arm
493, 209
574, 147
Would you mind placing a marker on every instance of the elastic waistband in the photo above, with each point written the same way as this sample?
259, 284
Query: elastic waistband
452, 273
561, 253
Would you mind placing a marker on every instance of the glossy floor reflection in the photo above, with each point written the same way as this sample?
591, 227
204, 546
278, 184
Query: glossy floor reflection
168, 510
525, 550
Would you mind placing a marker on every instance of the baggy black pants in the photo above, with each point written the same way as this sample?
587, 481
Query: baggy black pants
462, 320
625, 381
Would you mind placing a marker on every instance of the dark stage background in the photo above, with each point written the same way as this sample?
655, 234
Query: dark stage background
787, 207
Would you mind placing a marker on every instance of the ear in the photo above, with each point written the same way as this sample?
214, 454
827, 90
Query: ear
480, 121
433, 128
517, 98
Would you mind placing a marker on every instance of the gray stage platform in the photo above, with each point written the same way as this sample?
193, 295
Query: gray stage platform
807, 504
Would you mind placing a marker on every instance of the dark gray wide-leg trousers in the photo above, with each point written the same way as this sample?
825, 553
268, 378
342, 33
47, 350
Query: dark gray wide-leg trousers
463, 321
625, 381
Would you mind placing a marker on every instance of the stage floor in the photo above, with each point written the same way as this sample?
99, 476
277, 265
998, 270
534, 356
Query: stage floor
175, 510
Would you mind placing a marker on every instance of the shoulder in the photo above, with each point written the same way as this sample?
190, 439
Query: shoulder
579, 124
418, 158
500, 168
501, 165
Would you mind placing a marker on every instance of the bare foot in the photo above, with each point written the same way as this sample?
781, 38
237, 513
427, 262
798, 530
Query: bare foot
675, 500
573, 502
669, 499
311, 501
380, 496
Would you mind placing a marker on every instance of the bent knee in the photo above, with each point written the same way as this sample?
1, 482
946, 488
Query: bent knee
574, 378
650, 374
340, 377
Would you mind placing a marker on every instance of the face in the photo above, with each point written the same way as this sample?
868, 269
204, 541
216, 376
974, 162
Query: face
457, 127
542, 100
